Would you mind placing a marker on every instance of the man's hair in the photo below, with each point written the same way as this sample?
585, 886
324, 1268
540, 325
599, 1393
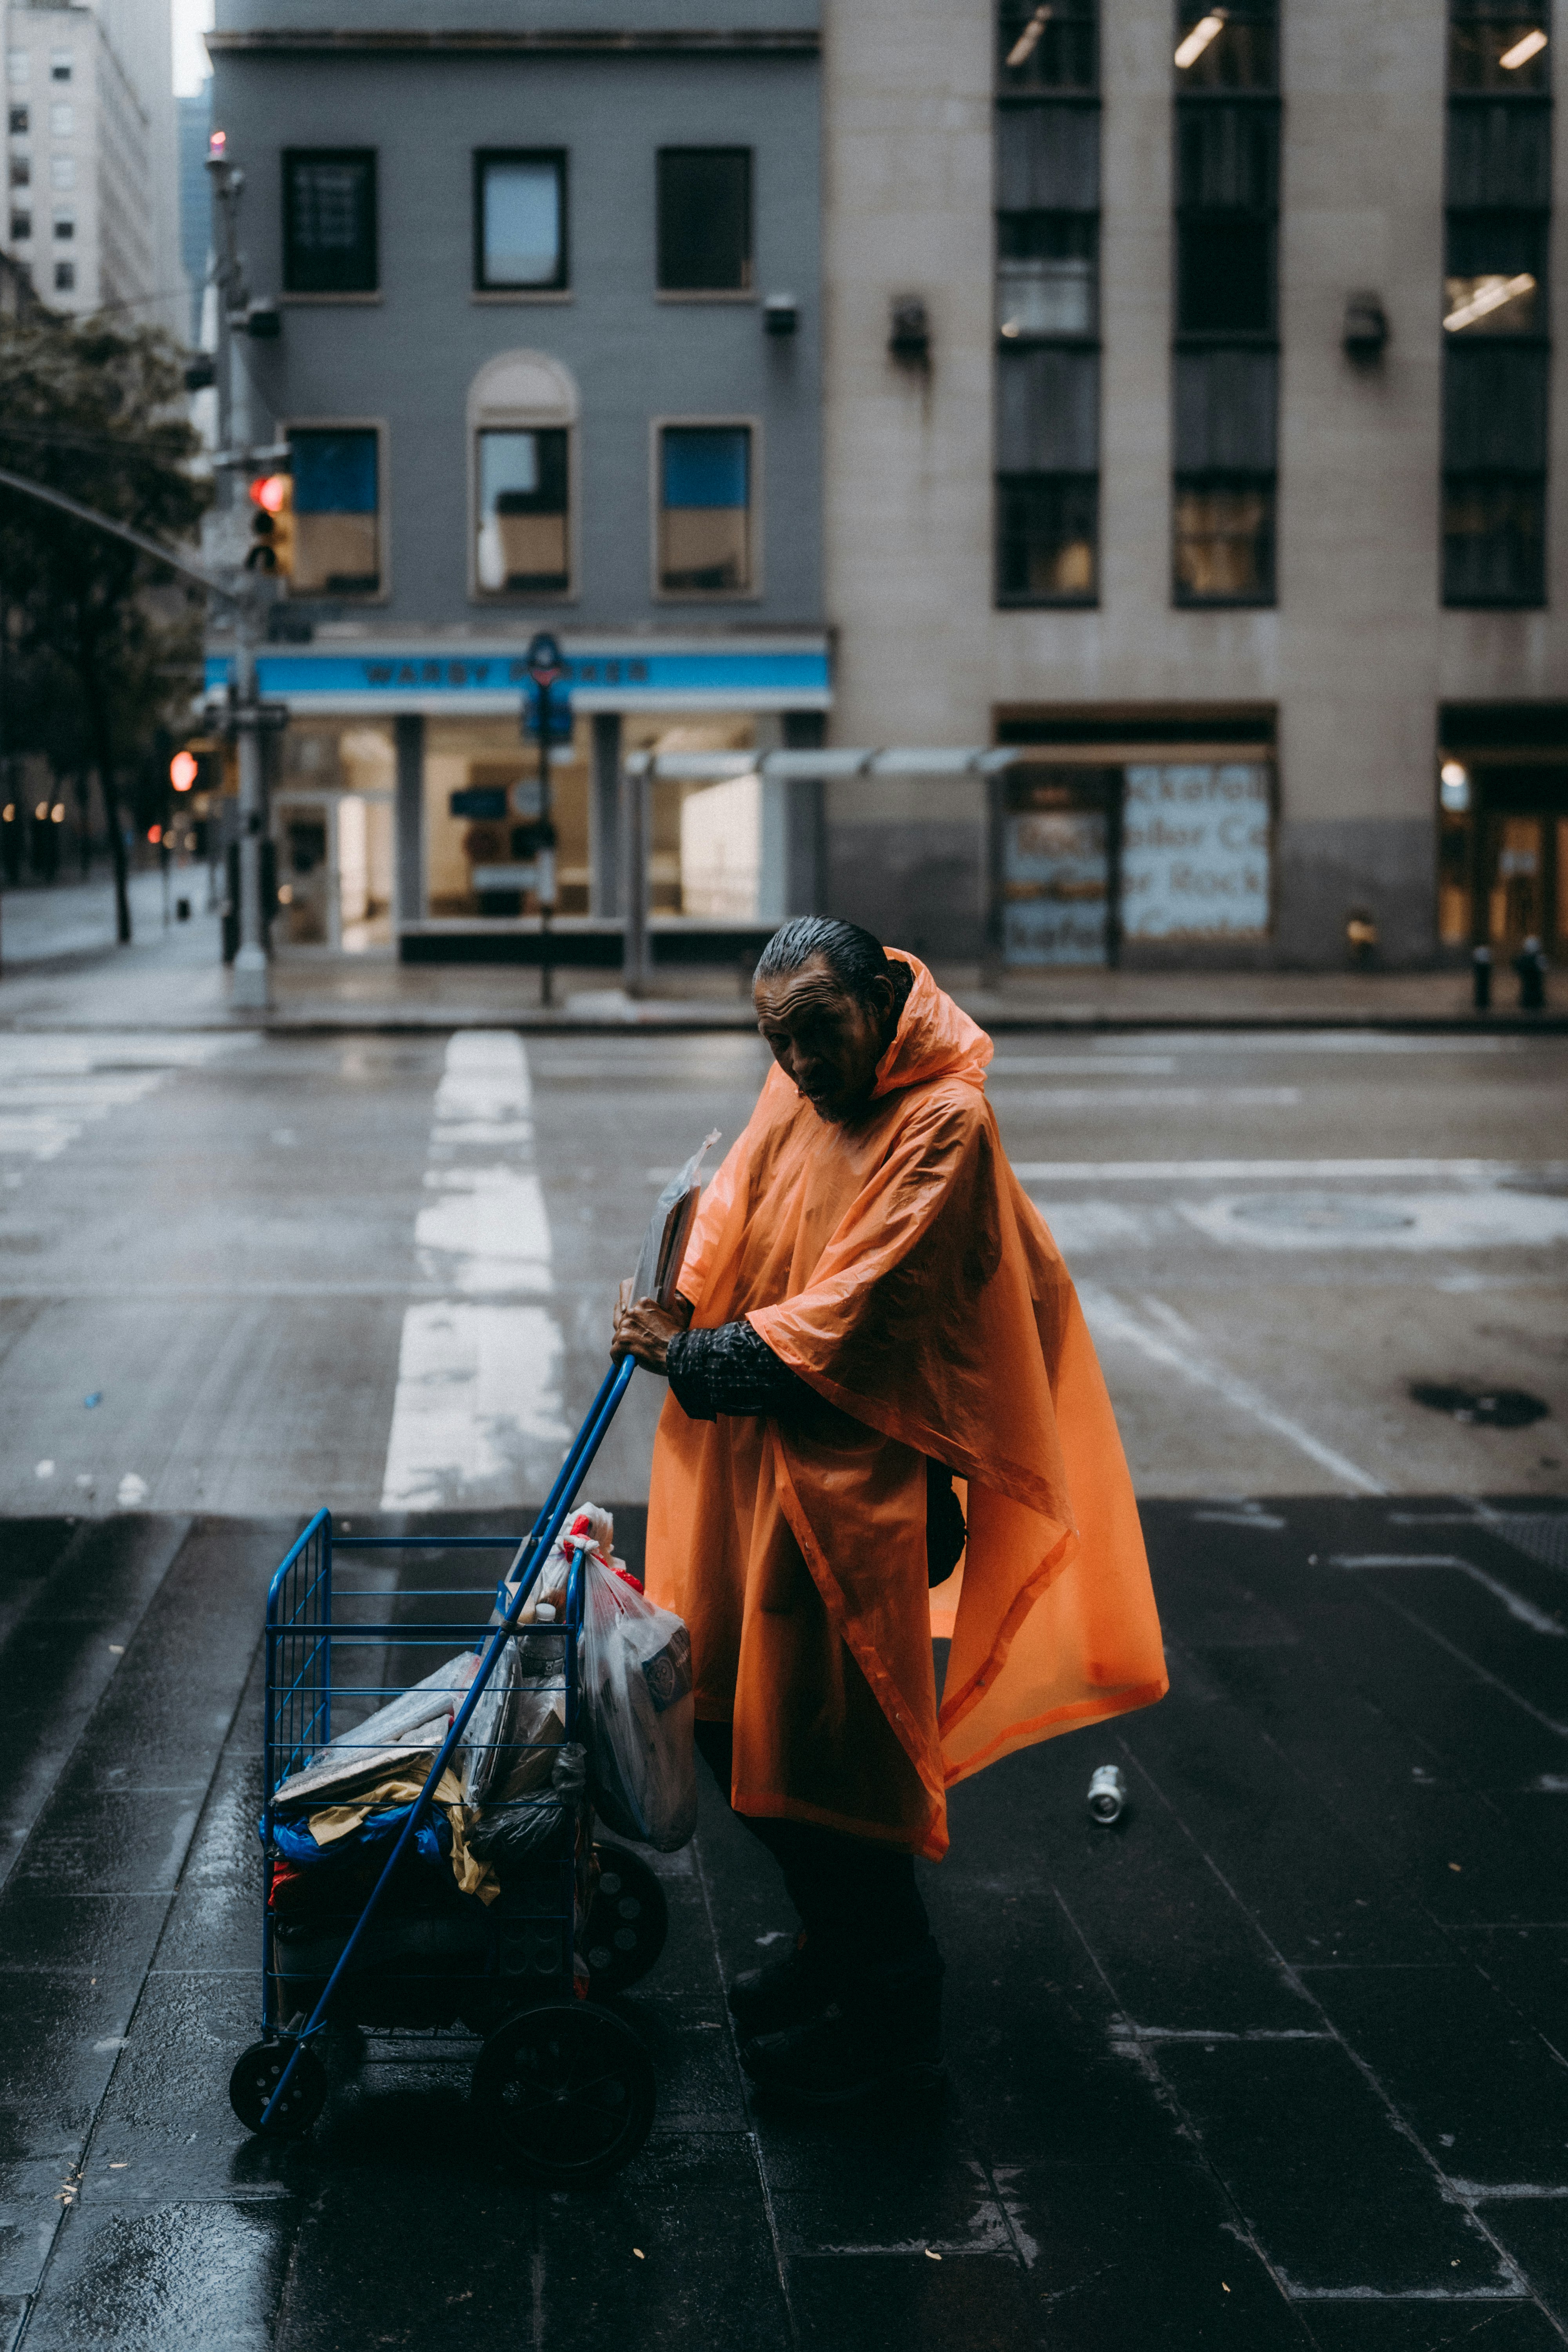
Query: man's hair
855, 958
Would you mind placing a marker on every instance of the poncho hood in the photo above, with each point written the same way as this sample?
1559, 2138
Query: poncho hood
934, 1038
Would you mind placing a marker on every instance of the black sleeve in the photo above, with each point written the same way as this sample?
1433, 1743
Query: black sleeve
946, 1534
732, 1369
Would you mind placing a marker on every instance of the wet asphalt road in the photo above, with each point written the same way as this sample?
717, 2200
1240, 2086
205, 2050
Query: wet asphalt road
1279, 2061
367, 1271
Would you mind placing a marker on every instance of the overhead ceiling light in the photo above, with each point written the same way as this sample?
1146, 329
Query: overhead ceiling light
1190, 48
1522, 51
1490, 294
1025, 45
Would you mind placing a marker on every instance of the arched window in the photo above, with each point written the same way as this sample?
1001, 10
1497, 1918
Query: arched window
522, 412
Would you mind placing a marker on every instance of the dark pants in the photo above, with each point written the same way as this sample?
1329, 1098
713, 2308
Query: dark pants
855, 1899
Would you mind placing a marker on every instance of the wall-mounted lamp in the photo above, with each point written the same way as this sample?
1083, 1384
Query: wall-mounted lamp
781, 314
910, 339
1454, 787
1365, 328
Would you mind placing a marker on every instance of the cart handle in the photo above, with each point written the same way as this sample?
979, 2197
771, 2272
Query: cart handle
589, 1439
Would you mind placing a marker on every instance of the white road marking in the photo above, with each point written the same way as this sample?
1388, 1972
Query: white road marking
1058, 1101
1176, 1346
1321, 1041
1096, 1064
477, 1414
54, 1087
1523, 1611
1287, 1172
1485, 1218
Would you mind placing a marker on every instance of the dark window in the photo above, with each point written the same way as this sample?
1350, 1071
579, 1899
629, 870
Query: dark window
1046, 538
1226, 236
1500, 45
21, 172
1047, 304
520, 222
329, 221
1494, 540
337, 518
1496, 347
704, 220
1225, 49
705, 509
1046, 47
525, 545
65, 277
18, 122
1224, 276
21, 226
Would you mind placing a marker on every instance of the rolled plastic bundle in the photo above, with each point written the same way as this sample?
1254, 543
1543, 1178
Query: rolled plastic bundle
541, 1827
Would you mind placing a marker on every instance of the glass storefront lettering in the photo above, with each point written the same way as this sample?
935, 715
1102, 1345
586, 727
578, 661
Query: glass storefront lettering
1195, 852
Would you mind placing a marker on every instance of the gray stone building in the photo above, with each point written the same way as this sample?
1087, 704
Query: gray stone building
548, 358
1194, 423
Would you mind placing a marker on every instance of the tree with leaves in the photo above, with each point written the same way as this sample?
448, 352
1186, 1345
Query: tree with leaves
101, 650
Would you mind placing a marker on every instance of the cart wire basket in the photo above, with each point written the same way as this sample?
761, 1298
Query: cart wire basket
391, 1905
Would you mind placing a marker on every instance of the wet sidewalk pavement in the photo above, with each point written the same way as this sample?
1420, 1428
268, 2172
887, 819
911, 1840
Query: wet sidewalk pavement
172, 978
1278, 2060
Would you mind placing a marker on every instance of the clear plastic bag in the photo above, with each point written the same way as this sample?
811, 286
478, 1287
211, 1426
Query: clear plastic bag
636, 1699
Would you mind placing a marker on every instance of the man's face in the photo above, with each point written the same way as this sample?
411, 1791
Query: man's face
823, 1039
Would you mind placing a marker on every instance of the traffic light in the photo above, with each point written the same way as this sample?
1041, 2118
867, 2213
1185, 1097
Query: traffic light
272, 525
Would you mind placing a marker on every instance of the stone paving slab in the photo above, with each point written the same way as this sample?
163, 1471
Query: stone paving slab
1259, 2066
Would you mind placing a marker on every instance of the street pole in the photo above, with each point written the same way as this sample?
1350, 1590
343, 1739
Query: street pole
634, 873
546, 871
252, 990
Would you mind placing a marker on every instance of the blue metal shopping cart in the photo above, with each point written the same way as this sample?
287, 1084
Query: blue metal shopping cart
377, 1912
373, 1930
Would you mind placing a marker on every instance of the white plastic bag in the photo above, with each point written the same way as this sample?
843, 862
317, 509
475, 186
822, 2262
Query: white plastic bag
636, 1698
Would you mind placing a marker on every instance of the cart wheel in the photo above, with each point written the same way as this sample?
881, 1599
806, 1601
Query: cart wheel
628, 1921
570, 2089
258, 2075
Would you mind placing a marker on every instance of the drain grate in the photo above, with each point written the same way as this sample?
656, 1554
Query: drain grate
1491, 1407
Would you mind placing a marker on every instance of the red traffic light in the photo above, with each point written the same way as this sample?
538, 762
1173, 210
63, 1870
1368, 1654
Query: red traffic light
271, 492
184, 769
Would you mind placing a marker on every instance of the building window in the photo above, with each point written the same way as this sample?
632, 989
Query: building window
1226, 374
64, 227
21, 172
21, 227
519, 222
62, 119
1496, 342
64, 278
337, 510
1047, 532
524, 541
62, 170
59, 65
329, 221
1047, 304
705, 530
704, 220
18, 65
18, 122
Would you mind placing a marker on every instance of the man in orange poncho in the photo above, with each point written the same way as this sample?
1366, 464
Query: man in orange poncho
871, 1306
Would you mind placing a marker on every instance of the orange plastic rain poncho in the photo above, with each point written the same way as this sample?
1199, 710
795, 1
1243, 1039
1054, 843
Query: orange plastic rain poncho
898, 1267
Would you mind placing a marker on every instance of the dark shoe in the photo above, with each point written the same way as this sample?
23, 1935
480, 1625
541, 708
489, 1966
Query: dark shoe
882, 2033
830, 2062
781, 1994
